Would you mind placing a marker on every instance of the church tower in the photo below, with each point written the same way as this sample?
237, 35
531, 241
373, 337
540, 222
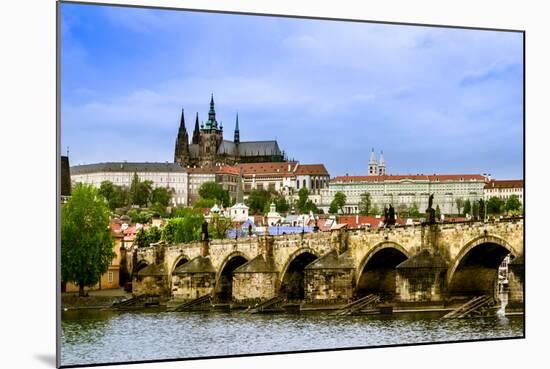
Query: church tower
196, 132
211, 137
381, 165
181, 152
237, 136
373, 164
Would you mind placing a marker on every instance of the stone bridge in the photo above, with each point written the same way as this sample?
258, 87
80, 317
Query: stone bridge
409, 264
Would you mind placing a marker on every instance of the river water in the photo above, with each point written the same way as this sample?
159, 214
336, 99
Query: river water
94, 336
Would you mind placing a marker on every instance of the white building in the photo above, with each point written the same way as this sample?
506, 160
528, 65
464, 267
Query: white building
273, 218
239, 212
503, 189
286, 178
168, 175
402, 191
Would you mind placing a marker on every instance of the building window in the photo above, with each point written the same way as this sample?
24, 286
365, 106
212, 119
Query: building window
110, 277
298, 184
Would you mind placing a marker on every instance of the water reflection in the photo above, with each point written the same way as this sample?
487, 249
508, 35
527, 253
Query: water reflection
106, 336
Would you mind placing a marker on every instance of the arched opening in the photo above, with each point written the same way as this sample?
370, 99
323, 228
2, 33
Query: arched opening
378, 273
476, 272
182, 260
224, 285
292, 285
137, 267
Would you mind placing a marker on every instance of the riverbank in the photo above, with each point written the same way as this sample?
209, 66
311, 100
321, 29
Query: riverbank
95, 299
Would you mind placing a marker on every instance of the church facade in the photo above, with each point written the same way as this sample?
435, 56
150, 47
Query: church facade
208, 147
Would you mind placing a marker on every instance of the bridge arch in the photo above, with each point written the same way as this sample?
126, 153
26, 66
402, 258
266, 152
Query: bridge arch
474, 270
223, 289
180, 260
139, 266
376, 271
291, 278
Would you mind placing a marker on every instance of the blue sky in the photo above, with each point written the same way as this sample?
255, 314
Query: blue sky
435, 100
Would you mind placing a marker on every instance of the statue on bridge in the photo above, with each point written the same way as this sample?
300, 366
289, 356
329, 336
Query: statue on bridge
204, 231
481, 210
430, 211
389, 216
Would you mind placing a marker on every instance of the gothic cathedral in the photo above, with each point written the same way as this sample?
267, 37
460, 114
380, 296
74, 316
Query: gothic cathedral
208, 148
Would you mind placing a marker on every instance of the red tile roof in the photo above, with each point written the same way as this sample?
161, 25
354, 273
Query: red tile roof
267, 168
361, 221
508, 183
417, 177
224, 169
312, 169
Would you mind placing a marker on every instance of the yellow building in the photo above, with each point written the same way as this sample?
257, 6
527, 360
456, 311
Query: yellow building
111, 278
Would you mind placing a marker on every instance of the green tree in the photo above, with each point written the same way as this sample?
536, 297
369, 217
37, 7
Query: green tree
140, 191
159, 208
215, 191
185, 228
475, 209
495, 205
459, 204
437, 213
116, 196
161, 195
513, 204
153, 235
339, 201
333, 209
281, 204
139, 216
303, 196
107, 190
374, 210
364, 203
141, 238
257, 200
413, 210
86, 240
218, 226
467, 207
204, 204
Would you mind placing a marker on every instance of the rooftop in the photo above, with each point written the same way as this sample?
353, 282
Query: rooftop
413, 177
127, 167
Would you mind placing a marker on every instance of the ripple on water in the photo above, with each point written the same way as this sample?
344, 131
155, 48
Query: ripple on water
107, 337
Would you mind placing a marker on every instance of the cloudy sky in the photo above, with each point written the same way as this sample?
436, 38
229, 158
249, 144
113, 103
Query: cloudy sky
435, 100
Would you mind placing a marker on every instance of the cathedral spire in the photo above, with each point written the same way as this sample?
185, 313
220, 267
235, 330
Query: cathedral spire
181, 151
196, 133
211, 123
182, 123
237, 137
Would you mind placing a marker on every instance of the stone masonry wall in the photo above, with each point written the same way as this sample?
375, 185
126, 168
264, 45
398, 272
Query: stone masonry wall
192, 285
249, 286
328, 284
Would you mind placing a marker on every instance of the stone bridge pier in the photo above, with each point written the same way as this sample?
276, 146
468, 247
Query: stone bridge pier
405, 264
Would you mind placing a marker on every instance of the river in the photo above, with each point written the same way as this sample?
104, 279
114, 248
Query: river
94, 336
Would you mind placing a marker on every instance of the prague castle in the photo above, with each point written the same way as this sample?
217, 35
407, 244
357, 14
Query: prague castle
208, 147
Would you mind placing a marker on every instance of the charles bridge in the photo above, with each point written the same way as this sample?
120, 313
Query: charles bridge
408, 264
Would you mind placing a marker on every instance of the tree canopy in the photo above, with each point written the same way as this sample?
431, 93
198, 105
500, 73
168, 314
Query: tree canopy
513, 204
214, 191
364, 203
338, 203
162, 196
140, 191
257, 200
495, 205
185, 228
86, 240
